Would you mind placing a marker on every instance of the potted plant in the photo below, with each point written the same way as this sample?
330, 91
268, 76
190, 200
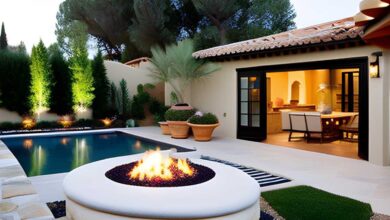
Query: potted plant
203, 125
177, 122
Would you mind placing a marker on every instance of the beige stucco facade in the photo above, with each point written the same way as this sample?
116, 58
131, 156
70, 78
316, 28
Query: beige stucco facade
218, 94
134, 76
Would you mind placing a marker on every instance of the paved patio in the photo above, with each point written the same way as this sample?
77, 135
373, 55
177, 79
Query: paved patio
348, 177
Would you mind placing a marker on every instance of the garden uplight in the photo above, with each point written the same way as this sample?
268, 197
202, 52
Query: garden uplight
66, 121
28, 123
107, 122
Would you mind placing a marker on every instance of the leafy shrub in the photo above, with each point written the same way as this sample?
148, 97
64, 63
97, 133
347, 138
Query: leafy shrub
47, 125
178, 115
139, 101
7, 126
205, 119
118, 123
158, 110
84, 123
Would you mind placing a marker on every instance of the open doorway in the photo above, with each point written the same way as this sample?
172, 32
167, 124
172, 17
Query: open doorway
315, 110
319, 106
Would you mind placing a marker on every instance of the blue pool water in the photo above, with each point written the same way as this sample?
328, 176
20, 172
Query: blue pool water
42, 155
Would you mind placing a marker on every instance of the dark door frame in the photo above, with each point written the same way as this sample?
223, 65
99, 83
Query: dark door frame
250, 132
360, 63
347, 79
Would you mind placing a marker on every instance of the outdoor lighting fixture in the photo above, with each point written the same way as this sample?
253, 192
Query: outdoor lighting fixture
28, 123
374, 66
65, 121
107, 122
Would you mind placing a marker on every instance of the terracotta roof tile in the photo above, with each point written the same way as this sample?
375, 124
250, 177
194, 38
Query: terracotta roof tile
328, 32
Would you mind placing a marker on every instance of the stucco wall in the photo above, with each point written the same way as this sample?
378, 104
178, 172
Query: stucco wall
134, 76
218, 94
7, 116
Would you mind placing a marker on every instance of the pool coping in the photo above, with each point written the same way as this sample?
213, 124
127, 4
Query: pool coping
93, 131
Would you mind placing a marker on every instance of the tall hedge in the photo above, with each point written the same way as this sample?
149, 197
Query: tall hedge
14, 81
41, 79
100, 105
61, 97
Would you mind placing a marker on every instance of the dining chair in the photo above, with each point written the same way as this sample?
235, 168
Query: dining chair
351, 128
314, 125
297, 125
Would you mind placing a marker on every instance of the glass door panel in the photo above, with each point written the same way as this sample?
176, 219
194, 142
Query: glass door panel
251, 104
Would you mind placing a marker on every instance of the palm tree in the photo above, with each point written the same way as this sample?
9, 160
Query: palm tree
176, 66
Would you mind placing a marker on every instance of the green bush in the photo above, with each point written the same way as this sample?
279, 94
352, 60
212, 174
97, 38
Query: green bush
7, 126
139, 102
205, 119
118, 123
158, 110
47, 125
178, 115
84, 123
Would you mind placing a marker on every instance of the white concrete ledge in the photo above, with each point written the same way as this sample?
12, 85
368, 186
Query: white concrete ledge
230, 192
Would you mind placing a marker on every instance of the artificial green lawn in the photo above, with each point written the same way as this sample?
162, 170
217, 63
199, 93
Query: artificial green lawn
303, 202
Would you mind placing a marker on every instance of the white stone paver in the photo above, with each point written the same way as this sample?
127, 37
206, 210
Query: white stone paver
356, 179
17, 190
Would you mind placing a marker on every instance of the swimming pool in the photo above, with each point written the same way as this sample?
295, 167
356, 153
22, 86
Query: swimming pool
50, 154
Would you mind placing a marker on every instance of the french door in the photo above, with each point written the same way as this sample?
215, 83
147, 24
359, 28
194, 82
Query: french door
350, 92
252, 106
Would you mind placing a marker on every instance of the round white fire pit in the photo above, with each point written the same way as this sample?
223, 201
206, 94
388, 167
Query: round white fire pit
230, 194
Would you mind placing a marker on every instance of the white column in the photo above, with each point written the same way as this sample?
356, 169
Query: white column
379, 105
386, 71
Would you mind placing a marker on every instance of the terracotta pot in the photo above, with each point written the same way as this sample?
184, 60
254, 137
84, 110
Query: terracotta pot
181, 107
164, 128
179, 129
203, 132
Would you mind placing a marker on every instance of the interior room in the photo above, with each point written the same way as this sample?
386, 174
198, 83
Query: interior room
314, 110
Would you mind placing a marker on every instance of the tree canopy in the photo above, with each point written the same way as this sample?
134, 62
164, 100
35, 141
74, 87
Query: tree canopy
127, 29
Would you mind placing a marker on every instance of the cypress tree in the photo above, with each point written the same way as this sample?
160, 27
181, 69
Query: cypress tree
41, 79
113, 101
124, 98
3, 38
61, 98
82, 86
100, 104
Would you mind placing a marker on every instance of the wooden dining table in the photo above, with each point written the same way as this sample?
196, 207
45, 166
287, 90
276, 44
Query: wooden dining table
331, 122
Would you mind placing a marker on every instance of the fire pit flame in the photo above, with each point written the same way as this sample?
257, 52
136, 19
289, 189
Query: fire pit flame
154, 166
